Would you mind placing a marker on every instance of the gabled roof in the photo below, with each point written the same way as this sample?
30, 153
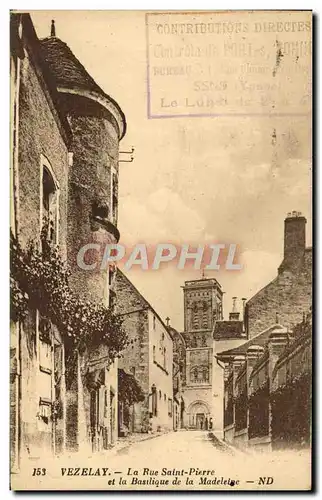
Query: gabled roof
145, 303
228, 330
260, 339
177, 334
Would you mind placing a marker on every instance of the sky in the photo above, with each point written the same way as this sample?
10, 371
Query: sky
195, 179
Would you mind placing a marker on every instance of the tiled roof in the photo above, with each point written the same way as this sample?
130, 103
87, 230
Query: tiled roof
68, 72
65, 67
228, 330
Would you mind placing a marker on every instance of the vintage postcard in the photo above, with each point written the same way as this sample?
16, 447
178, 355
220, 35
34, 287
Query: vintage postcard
161, 258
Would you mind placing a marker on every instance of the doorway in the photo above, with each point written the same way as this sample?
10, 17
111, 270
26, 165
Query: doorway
200, 421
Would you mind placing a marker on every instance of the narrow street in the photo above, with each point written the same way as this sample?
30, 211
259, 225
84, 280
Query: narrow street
178, 447
194, 456
183, 460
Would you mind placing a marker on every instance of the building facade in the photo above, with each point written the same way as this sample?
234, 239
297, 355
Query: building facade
149, 358
179, 377
268, 385
64, 175
263, 358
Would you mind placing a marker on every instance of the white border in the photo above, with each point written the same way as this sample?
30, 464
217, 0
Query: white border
5, 183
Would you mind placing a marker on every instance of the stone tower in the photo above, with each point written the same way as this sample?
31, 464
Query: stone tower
202, 307
97, 124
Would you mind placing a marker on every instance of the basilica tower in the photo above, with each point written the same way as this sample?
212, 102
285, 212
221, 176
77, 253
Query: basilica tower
202, 307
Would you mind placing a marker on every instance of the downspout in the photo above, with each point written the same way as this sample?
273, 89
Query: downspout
221, 366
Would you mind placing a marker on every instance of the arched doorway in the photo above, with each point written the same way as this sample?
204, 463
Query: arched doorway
198, 415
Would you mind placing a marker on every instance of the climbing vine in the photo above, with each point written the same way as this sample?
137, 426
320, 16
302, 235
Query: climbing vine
258, 404
39, 280
291, 412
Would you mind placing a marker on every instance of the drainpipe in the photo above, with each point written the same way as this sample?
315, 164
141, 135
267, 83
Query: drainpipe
221, 366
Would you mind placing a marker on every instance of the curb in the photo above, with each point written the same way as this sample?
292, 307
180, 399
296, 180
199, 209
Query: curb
226, 445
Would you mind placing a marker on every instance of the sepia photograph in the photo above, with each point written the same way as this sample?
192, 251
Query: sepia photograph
161, 250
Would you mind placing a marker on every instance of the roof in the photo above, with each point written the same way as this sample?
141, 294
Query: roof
32, 42
228, 329
65, 67
260, 339
201, 283
177, 336
69, 73
143, 299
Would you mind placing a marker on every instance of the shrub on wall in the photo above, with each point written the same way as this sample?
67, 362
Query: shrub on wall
39, 281
241, 404
229, 403
291, 412
258, 404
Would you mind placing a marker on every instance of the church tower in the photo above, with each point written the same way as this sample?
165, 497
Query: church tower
202, 307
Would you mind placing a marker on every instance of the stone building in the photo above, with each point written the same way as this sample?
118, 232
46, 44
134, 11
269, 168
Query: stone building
247, 359
179, 377
227, 334
290, 293
149, 358
202, 308
64, 175
268, 382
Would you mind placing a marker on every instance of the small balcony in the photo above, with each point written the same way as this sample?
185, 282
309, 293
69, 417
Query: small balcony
100, 216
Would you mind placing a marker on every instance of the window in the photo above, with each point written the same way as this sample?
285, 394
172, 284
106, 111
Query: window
153, 322
154, 400
160, 394
44, 384
164, 357
49, 203
199, 374
154, 353
114, 197
195, 316
204, 315
205, 374
170, 407
194, 375
165, 397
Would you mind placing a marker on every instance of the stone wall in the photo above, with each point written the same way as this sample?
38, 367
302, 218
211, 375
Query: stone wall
289, 295
38, 135
39, 140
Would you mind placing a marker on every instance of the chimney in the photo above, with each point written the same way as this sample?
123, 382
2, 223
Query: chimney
234, 314
294, 241
52, 28
167, 321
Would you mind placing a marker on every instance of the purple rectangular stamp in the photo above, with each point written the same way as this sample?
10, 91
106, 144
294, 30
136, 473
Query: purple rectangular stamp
222, 63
